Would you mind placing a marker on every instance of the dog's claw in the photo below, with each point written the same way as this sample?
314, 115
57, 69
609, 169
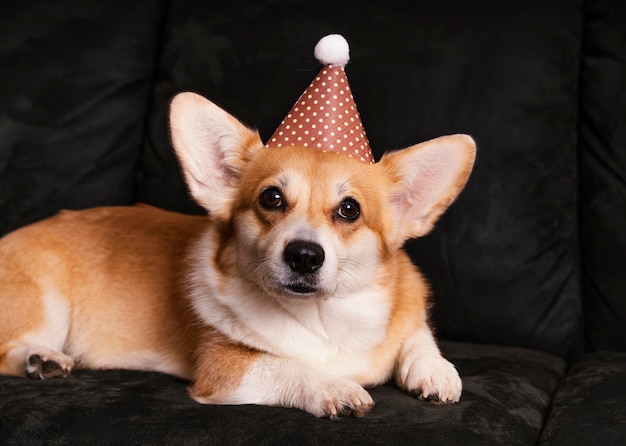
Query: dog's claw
357, 410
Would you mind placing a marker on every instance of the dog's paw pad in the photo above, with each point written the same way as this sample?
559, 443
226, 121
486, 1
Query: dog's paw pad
46, 365
34, 360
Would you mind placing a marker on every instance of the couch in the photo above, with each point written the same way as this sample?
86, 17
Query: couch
527, 268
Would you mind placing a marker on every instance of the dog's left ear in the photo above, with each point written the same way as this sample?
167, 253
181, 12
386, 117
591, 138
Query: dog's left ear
426, 179
212, 147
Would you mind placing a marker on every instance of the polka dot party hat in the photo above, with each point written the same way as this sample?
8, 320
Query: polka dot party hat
325, 117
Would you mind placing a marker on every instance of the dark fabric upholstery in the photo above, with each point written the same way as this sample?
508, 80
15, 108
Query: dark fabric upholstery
122, 407
602, 174
74, 84
589, 406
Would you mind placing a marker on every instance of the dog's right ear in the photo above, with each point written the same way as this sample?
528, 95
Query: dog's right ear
212, 147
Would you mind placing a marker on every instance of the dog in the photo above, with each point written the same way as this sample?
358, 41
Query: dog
294, 291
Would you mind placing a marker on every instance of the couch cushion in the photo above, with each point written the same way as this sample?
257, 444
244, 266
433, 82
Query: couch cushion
504, 260
506, 395
603, 174
589, 406
74, 83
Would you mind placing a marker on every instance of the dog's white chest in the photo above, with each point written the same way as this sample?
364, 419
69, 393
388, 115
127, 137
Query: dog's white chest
336, 330
336, 334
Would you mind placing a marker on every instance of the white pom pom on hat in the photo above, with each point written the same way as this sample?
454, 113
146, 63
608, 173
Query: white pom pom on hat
325, 116
333, 49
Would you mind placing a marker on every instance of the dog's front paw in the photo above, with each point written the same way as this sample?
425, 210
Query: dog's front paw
337, 398
430, 377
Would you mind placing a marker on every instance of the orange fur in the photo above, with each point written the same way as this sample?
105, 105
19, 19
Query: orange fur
218, 367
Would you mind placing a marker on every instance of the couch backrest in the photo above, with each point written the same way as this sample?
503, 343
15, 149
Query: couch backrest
75, 78
504, 260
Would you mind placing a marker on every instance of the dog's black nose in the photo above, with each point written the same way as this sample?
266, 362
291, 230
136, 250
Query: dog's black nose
303, 257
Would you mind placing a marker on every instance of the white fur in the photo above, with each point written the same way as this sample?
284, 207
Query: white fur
57, 313
283, 382
422, 369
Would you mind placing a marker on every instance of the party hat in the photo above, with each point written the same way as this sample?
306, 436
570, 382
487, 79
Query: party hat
325, 117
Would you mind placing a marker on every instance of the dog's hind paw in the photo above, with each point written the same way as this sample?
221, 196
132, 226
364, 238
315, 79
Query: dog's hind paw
48, 364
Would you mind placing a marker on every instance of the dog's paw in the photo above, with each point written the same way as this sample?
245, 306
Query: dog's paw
44, 364
431, 378
337, 398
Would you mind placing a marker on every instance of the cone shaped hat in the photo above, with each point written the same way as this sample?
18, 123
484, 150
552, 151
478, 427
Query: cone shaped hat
325, 117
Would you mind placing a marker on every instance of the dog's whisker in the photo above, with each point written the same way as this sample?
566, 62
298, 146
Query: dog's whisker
349, 278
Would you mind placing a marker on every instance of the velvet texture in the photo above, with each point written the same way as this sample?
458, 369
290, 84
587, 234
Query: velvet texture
589, 406
74, 84
122, 407
603, 174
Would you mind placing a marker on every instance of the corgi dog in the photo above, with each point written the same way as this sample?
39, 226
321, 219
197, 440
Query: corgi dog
294, 291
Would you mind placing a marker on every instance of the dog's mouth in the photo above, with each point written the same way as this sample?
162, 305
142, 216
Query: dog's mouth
301, 289
296, 289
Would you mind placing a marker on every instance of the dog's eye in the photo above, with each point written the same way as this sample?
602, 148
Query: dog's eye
349, 209
271, 198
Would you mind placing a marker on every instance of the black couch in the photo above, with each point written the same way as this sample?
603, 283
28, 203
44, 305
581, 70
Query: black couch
528, 267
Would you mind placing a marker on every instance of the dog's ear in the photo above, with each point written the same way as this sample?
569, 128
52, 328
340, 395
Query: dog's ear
426, 179
212, 147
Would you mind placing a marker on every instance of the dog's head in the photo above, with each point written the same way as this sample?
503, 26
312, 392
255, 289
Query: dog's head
302, 223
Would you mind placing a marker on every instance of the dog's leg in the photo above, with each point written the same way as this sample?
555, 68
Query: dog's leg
282, 382
422, 370
33, 328
235, 375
